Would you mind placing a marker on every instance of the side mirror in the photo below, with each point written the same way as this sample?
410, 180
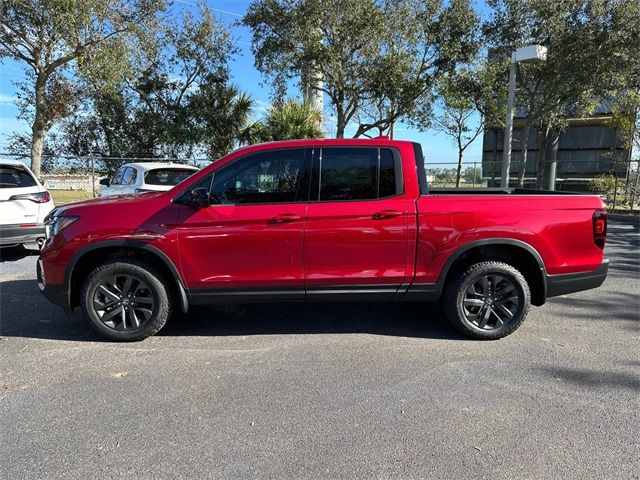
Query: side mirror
200, 197
105, 181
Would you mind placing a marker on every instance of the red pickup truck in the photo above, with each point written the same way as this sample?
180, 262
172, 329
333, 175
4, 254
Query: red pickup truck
321, 220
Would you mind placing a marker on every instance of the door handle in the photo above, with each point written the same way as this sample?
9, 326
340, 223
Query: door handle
382, 214
285, 218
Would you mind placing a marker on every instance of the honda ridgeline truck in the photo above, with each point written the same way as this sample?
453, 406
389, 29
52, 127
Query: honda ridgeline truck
321, 220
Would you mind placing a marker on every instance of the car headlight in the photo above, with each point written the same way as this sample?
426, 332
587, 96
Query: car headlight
56, 222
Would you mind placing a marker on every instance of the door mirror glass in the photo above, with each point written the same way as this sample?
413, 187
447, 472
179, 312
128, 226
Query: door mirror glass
105, 181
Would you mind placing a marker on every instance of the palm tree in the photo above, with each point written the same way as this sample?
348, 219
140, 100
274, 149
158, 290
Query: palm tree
288, 120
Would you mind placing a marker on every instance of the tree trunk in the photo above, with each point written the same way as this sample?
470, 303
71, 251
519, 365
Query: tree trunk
340, 123
542, 153
39, 126
525, 154
459, 172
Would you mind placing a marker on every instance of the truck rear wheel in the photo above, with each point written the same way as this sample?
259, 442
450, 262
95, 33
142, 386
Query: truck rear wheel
126, 300
488, 300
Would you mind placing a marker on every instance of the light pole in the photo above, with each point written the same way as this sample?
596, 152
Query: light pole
530, 54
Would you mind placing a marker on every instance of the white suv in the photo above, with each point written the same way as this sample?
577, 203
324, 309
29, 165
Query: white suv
24, 203
145, 177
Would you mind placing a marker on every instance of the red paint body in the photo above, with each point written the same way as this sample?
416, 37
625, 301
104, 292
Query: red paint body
399, 241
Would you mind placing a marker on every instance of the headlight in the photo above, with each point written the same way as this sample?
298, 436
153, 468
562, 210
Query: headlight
54, 224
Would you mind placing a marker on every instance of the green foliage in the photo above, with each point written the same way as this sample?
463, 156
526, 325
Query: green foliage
379, 60
51, 37
172, 99
288, 120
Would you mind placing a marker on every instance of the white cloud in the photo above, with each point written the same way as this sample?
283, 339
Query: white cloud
7, 99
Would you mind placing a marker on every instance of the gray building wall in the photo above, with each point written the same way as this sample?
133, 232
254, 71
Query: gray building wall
586, 149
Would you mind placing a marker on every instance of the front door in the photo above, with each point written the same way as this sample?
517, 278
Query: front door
356, 233
248, 243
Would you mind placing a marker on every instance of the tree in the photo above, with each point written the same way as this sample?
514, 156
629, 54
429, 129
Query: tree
288, 120
385, 52
172, 99
590, 44
49, 36
457, 112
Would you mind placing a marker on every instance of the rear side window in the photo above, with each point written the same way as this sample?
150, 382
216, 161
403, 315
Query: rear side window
167, 176
358, 174
15, 177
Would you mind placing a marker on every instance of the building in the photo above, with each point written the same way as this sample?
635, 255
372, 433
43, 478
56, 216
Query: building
587, 148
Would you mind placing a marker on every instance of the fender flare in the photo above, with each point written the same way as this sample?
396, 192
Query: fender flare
136, 244
494, 241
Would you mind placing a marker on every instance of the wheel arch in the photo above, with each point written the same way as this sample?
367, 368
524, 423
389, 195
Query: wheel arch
517, 253
87, 258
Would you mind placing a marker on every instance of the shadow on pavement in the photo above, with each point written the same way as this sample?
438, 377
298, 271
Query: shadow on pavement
595, 378
11, 254
26, 313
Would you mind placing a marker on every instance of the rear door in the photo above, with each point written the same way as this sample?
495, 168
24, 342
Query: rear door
16, 180
356, 232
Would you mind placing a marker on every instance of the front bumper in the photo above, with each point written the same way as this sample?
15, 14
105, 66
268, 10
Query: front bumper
56, 294
14, 234
576, 282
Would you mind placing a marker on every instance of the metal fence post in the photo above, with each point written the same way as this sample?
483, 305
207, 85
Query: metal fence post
615, 186
93, 178
474, 174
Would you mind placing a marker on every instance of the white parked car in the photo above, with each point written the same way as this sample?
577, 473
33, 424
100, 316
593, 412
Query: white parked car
145, 177
24, 203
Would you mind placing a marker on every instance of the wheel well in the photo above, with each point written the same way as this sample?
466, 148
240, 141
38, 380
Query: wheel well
90, 260
516, 256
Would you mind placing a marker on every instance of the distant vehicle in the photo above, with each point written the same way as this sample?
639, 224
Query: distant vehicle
24, 203
329, 220
141, 177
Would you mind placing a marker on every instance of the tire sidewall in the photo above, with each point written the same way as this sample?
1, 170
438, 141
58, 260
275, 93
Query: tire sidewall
139, 270
472, 275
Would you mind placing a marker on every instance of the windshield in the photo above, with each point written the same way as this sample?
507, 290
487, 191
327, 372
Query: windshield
167, 176
15, 177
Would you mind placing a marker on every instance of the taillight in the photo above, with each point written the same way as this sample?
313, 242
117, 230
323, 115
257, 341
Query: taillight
599, 228
39, 197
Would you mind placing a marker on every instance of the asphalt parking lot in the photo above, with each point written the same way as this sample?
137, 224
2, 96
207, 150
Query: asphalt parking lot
325, 390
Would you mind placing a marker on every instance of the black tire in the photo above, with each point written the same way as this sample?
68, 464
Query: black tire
152, 291
479, 310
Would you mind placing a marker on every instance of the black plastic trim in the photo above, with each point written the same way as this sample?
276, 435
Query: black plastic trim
206, 296
576, 282
130, 244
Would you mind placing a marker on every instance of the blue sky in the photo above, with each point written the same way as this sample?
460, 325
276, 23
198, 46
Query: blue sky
437, 146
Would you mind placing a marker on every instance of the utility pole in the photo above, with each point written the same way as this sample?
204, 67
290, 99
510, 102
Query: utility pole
313, 94
530, 54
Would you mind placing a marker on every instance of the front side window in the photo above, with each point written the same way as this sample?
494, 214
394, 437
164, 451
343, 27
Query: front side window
269, 177
117, 178
15, 177
129, 176
358, 174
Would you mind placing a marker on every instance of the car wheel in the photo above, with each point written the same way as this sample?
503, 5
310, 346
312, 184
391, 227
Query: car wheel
126, 300
488, 300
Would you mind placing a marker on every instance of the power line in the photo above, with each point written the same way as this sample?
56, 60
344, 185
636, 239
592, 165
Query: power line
214, 9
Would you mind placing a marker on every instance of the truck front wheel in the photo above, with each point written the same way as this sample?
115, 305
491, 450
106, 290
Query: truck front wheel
488, 300
126, 300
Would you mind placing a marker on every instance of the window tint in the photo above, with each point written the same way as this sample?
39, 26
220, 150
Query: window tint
129, 176
358, 174
15, 177
388, 185
167, 176
270, 177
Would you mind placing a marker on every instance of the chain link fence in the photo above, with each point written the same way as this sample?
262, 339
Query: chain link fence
74, 178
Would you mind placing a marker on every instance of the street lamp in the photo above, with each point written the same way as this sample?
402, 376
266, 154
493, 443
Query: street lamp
530, 54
